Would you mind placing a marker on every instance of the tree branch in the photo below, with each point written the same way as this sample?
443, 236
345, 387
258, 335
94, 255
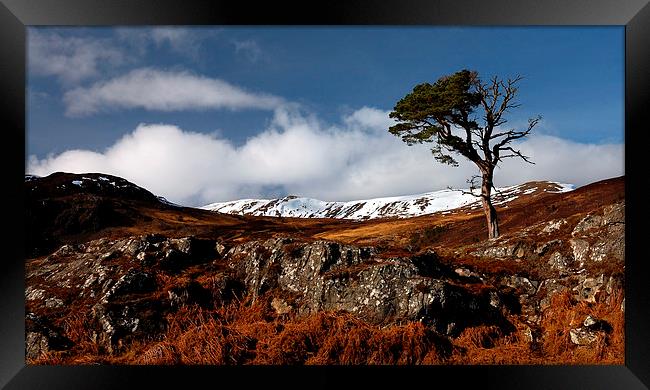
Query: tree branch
515, 153
472, 186
512, 135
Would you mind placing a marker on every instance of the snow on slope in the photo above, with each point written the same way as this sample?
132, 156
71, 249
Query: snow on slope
397, 206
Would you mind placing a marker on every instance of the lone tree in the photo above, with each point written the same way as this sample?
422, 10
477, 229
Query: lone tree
443, 113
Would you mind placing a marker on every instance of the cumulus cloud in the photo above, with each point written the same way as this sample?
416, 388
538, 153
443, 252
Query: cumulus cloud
70, 59
354, 159
154, 89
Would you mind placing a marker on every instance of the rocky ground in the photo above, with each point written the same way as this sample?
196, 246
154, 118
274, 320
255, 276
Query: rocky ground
120, 277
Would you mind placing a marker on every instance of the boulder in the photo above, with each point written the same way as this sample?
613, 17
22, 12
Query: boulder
281, 306
588, 288
593, 330
42, 337
584, 336
115, 323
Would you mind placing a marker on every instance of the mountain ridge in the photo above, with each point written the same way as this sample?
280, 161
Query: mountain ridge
405, 206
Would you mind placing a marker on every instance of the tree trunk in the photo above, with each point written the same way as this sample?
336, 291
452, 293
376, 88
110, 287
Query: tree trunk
488, 208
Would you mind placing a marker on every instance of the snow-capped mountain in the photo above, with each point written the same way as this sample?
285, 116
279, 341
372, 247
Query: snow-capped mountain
397, 206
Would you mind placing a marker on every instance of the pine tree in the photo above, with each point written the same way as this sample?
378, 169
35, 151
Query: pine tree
443, 113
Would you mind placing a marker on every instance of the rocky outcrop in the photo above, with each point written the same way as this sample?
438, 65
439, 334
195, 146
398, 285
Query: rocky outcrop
566, 244
583, 254
329, 276
114, 282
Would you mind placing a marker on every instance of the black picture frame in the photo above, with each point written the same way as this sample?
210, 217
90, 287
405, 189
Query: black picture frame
15, 15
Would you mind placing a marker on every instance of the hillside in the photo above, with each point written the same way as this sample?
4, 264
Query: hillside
116, 275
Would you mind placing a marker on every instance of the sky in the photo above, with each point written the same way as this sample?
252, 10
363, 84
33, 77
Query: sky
207, 114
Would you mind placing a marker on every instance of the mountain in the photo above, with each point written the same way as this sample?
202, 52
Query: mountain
397, 206
64, 204
114, 275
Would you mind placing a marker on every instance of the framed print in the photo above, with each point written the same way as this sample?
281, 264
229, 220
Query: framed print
360, 194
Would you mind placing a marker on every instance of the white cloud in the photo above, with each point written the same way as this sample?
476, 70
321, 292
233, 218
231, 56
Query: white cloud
182, 40
354, 160
154, 89
249, 49
174, 36
74, 58
369, 118
71, 59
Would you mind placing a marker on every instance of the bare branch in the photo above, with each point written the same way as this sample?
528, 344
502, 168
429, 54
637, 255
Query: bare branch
513, 135
503, 198
515, 153
472, 186
502, 134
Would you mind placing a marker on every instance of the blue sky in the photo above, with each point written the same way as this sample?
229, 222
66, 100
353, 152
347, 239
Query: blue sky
98, 93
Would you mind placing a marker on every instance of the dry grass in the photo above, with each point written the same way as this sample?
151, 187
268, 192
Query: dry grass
564, 314
251, 333
486, 345
248, 334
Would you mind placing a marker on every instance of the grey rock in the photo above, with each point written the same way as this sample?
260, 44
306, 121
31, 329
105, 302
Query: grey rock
34, 294
588, 288
330, 276
495, 251
587, 223
590, 321
281, 306
42, 337
551, 287
220, 249
583, 336
115, 323
54, 302
192, 293
133, 282
521, 284
547, 246
580, 250
596, 324
614, 214
553, 225
560, 263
